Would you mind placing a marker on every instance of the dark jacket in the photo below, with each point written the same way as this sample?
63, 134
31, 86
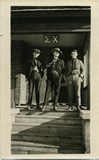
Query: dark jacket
55, 71
79, 68
31, 66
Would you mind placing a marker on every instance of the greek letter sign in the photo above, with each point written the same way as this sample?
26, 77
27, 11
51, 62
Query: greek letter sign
51, 39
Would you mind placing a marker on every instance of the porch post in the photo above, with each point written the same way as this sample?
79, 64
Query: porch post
85, 116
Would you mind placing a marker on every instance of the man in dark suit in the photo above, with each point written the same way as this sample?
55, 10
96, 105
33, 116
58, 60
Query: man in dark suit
35, 73
74, 76
54, 76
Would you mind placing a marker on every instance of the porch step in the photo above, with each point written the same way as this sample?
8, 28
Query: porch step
63, 120
47, 128
36, 148
51, 140
49, 112
35, 132
33, 148
45, 134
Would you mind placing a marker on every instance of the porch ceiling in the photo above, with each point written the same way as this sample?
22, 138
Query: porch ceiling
50, 19
70, 23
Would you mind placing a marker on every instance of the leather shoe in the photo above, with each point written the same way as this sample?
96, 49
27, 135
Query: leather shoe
43, 109
79, 108
70, 108
29, 107
38, 107
55, 108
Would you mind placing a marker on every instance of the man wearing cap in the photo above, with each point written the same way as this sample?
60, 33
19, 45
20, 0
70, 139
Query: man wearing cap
74, 76
54, 75
35, 73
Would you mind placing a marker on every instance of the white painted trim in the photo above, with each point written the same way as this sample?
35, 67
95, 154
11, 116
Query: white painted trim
85, 114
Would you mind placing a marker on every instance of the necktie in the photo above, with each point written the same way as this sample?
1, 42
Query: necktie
73, 64
54, 62
36, 61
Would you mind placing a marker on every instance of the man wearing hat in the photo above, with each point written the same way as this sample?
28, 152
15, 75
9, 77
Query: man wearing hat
35, 73
74, 76
54, 75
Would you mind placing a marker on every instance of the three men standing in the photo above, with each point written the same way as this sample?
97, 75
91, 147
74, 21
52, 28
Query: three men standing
55, 70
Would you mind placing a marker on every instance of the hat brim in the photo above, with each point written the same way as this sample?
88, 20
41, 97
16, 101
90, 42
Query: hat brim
36, 52
60, 52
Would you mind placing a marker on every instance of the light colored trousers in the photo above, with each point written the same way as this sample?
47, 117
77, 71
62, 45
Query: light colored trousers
74, 84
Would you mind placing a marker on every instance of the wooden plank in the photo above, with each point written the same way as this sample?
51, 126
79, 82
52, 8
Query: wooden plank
48, 134
35, 149
29, 144
49, 112
39, 121
60, 141
51, 30
50, 12
14, 152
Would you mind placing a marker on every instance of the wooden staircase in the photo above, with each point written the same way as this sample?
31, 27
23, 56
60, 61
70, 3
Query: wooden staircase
49, 132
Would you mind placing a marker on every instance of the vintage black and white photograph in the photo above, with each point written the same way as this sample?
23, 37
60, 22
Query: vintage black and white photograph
50, 79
